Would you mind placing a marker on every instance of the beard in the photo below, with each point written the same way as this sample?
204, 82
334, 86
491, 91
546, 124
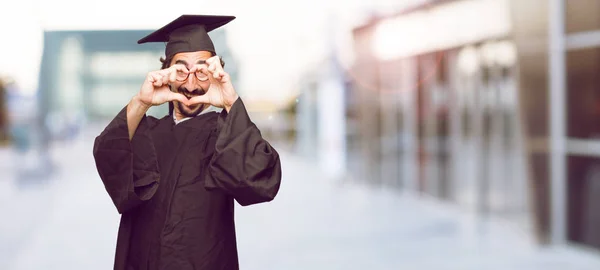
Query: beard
191, 111
194, 110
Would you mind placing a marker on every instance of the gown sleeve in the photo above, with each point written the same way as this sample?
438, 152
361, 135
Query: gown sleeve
128, 169
244, 165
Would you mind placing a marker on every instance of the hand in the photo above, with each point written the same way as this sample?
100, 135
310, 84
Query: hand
221, 92
155, 89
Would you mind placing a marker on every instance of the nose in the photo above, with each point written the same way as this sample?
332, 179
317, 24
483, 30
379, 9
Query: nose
189, 84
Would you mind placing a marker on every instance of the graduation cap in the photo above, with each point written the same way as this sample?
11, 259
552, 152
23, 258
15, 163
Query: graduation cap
188, 33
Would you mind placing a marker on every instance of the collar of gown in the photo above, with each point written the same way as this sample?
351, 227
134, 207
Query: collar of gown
188, 118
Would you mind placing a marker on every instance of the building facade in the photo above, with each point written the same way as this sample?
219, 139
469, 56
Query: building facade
488, 104
95, 73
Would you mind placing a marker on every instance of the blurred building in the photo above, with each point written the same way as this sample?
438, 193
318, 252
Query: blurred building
90, 75
491, 105
4, 137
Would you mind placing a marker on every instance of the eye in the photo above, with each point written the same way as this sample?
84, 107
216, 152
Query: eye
181, 76
201, 76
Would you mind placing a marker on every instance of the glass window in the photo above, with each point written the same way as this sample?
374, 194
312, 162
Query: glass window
583, 95
582, 15
123, 64
583, 189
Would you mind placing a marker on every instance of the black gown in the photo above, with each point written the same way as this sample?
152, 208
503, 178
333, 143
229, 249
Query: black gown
175, 186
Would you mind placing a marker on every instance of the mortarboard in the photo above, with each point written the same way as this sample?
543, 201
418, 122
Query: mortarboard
188, 33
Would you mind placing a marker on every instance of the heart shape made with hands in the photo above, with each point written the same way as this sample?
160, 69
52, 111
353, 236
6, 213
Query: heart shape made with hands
220, 92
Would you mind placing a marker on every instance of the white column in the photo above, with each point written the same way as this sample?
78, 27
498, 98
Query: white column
409, 129
305, 123
332, 126
455, 106
556, 109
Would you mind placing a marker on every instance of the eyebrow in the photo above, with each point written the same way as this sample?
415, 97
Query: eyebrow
183, 62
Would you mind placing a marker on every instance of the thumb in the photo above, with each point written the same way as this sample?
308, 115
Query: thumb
203, 99
178, 97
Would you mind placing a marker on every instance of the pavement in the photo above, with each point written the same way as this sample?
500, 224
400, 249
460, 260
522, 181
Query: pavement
65, 220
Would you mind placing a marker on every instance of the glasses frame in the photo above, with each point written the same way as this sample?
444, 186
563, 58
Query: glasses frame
196, 73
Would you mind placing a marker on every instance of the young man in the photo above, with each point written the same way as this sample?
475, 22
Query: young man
175, 179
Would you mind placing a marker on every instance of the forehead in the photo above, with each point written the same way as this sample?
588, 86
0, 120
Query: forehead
191, 57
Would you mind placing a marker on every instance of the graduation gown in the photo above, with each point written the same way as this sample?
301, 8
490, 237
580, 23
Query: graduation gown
175, 186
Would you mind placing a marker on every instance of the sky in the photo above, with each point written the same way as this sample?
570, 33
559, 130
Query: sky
275, 42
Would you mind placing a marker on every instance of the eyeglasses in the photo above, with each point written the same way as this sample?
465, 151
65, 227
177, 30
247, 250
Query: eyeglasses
183, 76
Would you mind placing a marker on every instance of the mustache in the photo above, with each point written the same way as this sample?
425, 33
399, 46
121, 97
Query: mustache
189, 94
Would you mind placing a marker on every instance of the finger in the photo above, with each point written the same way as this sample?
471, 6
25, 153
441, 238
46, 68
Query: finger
218, 75
155, 75
199, 100
224, 77
209, 61
172, 69
212, 77
214, 60
220, 68
166, 78
161, 81
150, 78
216, 69
157, 79
178, 97
172, 77
212, 68
178, 68
213, 63
163, 72
215, 75
171, 73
